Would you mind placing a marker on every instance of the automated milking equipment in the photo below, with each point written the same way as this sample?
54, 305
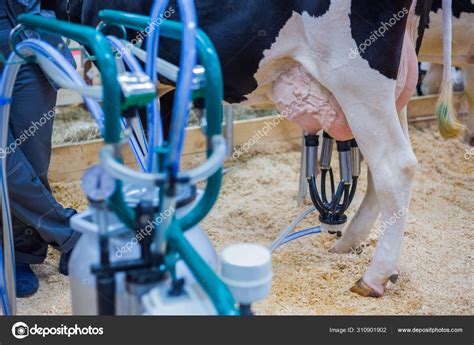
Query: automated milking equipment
331, 209
141, 249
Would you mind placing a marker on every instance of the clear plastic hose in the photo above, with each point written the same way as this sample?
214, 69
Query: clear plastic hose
165, 68
34, 46
193, 176
4, 296
182, 98
64, 74
281, 237
301, 233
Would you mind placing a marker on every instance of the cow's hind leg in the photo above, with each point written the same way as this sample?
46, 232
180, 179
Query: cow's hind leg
392, 162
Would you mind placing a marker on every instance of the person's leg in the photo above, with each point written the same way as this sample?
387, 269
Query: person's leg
38, 218
31, 121
30, 246
32, 115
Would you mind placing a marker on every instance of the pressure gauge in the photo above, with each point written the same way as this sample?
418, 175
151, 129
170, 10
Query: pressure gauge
98, 184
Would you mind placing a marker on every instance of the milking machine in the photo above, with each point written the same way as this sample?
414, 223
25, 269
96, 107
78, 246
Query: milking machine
329, 201
135, 91
245, 269
331, 210
142, 250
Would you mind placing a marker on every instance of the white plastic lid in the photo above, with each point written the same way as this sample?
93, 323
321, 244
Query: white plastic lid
247, 269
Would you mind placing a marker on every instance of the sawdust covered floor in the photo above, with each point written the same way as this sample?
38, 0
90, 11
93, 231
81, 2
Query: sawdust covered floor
258, 200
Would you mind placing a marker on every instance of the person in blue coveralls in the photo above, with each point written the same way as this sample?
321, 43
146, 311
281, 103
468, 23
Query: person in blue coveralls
38, 219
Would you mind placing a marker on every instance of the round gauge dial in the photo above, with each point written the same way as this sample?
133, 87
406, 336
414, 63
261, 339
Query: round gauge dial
98, 184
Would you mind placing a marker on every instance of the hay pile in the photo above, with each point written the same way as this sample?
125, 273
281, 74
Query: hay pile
258, 200
72, 125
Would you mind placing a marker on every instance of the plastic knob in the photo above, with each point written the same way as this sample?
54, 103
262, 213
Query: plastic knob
247, 270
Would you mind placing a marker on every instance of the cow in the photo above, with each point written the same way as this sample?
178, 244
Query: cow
347, 67
462, 56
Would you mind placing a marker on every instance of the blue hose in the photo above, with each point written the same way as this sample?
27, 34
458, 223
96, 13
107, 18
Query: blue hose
7, 255
183, 94
94, 107
184, 87
302, 233
134, 67
61, 63
3, 286
155, 127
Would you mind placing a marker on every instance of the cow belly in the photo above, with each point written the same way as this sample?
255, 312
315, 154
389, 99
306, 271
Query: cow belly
304, 100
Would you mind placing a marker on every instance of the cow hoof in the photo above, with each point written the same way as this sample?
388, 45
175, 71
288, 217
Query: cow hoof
361, 288
393, 278
334, 250
339, 248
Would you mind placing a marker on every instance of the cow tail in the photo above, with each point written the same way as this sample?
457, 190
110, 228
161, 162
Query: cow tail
449, 126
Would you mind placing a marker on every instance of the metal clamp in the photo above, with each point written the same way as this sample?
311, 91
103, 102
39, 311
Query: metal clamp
137, 89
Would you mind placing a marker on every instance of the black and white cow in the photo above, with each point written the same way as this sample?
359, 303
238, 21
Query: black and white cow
462, 53
348, 67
